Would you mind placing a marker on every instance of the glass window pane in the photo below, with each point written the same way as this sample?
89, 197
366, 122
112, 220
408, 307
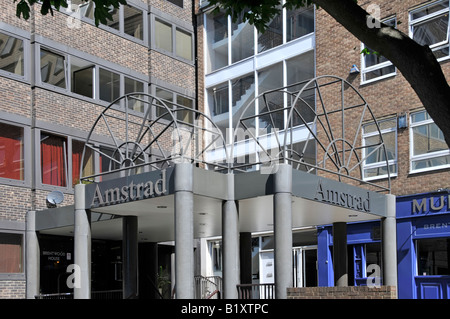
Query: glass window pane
429, 9
11, 152
184, 44
167, 98
433, 257
11, 54
432, 162
428, 138
185, 115
273, 36
431, 31
53, 68
53, 160
109, 85
270, 79
82, 77
88, 163
163, 35
379, 72
133, 22
217, 39
218, 101
116, 18
242, 33
133, 86
11, 260
299, 22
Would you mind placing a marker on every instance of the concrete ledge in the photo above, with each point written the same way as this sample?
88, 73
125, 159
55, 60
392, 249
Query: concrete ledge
353, 292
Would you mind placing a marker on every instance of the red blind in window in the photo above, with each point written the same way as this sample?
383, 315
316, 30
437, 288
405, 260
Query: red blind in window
11, 152
53, 150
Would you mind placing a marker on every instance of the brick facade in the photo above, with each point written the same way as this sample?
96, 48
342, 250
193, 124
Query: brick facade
356, 292
337, 50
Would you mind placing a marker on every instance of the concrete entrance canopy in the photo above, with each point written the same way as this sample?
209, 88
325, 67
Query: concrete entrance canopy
172, 169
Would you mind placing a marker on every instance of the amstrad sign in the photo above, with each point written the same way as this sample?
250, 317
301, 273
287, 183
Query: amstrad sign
342, 197
127, 189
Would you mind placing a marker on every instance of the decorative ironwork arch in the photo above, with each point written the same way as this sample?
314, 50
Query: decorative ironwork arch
145, 133
324, 115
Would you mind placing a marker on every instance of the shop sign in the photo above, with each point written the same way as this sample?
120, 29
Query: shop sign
343, 198
126, 190
431, 204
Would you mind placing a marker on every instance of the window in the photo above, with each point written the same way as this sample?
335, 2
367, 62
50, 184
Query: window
82, 77
53, 160
11, 152
428, 147
299, 22
177, 2
374, 155
11, 54
53, 68
176, 102
433, 257
173, 40
163, 35
127, 20
109, 85
242, 43
133, 86
273, 35
429, 26
374, 66
11, 252
88, 163
217, 41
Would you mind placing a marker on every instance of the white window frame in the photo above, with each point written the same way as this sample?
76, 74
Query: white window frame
414, 22
382, 163
367, 69
413, 158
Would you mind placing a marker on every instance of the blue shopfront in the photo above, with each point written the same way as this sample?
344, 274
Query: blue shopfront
423, 248
423, 241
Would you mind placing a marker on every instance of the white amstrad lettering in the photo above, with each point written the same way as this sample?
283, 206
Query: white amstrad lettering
129, 192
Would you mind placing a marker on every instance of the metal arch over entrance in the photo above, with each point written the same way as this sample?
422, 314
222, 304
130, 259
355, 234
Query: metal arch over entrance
158, 174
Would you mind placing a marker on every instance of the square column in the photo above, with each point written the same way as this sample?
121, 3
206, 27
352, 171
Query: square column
282, 218
184, 231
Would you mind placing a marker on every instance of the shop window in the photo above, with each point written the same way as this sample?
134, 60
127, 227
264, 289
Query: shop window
429, 26
11, 252
53, 68
428, 147
11, 152
109, 85
11, 54
374, 155
53, 160
375, 66
433, 257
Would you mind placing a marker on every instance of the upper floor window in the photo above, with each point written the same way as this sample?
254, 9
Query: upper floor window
177, 2
429, 26
374, 154
179, 103
11, 152
11, 54
375, 66
173, 40
428, 149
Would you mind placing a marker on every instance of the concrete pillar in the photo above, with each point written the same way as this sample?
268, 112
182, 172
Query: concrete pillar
32, 256
282, 219
184, 231
130, 257
82, 246
389, 243
230, 243
340, 262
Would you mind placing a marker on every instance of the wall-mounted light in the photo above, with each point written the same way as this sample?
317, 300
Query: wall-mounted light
402, 121
354, 69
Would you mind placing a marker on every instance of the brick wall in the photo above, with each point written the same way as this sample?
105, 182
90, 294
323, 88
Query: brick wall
337, 50
360, 292
12, 289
